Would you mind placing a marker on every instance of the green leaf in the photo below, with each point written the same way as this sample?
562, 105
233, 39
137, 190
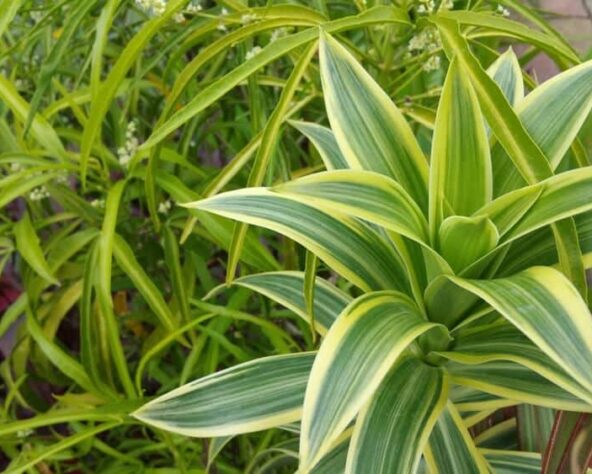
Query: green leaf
362, 194
252, 396
507, 74
333, 238
355, 356
460, 166
392, 430
451, 449
325, 143
287, 289
547, 308
534, 426
8, 9
124, 255
477, 234
29, 247
370, 130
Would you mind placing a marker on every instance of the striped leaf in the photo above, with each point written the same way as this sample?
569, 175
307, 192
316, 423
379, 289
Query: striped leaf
460, 166
253, 396
512, 462
370, 131
507, 74
451, 449
526, 156
366, 195
501, 341
512, 381
547, 308
333, 238
287, 289
552, 114
355, 356
324, 141
393, 428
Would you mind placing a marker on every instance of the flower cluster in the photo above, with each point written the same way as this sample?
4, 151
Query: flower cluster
427, 7
254, 51
427, 41
165, 206
154, 7
126, 152
503, 11
39, 193
98, 203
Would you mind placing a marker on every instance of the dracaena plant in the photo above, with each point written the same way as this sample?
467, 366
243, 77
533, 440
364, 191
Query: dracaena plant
470, 263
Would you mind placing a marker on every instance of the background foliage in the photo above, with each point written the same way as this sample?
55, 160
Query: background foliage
111, 113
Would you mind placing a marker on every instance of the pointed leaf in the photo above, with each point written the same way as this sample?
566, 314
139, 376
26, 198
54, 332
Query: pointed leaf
370, 130
324, 141
460, 166
253, 396
506, 72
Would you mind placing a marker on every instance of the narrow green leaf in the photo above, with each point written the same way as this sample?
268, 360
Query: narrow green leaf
282, 46
569, 448
355, 356
52, 61
310, 272
127, 261
29, 247
325, 143
392, 430
8, 9
460, 166
370, 130
451, 449
253, 396
173, 260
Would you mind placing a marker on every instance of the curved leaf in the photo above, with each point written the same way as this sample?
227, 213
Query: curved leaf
253, 396
355, 356
324, 141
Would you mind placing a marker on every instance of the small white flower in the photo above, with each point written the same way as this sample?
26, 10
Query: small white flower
16, 167
224, 11
126, 152
432, 64
503, 11
279, 33
179, 18
98, 203
39, 194
248, 18
165, 206
62, 178
222, 27
193, 8
254, 51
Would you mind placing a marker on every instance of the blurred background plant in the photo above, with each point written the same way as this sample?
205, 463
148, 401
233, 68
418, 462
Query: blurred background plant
114, 111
